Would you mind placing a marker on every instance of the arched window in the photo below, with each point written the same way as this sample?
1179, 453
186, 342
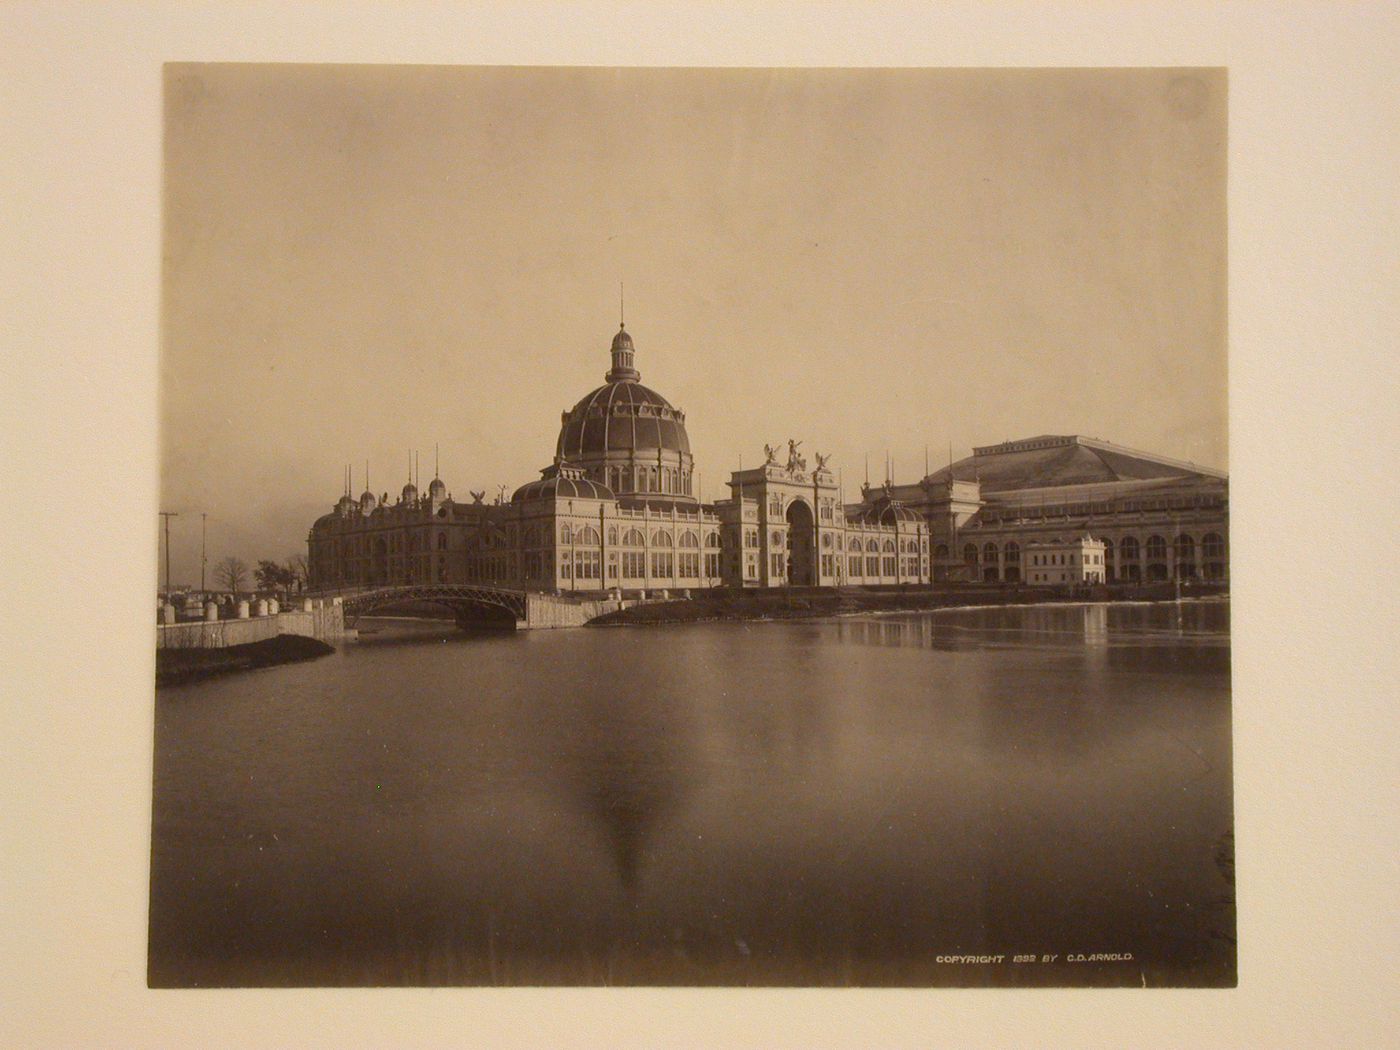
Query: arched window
989, 552
889, 546
970, 554
855, 543
871, 547
689, 539
633, 538
587, 536
1156, 548
1013, 552
661, 538
566, 534
712, 540
776, 539
775, 507
1128, 549
442, 541
1185, 548
612, 535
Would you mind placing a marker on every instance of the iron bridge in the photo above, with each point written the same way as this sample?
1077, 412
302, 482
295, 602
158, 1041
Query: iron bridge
460, 598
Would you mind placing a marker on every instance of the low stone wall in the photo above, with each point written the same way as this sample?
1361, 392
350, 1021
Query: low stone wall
323, 621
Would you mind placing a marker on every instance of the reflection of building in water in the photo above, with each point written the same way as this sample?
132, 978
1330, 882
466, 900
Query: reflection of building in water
617, 508
1077, 560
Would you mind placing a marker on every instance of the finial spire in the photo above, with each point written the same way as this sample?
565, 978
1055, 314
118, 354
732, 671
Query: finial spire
621, 305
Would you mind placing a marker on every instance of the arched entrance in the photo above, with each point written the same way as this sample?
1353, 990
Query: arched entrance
801, 543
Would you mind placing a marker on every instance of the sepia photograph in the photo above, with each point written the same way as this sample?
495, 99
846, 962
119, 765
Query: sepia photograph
715, 525
692, 527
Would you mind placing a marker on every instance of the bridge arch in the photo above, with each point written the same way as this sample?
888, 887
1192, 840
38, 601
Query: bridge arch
492, 604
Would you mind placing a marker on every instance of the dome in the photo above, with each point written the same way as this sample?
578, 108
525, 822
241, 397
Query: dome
410, 492
887, 511
622, 416
367, 500
436, 488
622, 341
562, 483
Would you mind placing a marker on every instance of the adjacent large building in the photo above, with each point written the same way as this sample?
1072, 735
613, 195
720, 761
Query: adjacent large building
616, 509
1158, 518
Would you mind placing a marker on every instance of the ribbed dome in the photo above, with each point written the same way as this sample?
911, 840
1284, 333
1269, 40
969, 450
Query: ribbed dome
622, 416
622, 341
887, 511
557, 487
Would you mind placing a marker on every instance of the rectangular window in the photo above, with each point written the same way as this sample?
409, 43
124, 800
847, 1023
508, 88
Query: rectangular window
853, 566
872, 566
689, 565
889, 564
661, 564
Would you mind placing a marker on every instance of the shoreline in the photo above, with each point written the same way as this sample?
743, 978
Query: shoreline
758, 607
182, 666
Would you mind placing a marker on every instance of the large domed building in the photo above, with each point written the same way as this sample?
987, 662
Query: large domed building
627, 437
616, 510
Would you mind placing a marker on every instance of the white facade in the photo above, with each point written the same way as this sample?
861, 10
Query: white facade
1080, 560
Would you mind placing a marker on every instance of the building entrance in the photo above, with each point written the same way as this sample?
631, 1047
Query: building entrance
801, 560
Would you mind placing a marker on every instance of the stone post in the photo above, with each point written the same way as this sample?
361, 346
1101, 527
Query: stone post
167, 613
260, 609
272, 607
211, 612
306, 605
243, 610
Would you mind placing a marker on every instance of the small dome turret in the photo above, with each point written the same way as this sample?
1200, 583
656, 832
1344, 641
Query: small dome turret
410, 493
367, 501
436, 489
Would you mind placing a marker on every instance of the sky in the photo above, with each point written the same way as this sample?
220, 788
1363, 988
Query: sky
360, 261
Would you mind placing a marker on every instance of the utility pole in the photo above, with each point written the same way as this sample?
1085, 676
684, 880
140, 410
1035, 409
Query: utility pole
203, 548
167, 515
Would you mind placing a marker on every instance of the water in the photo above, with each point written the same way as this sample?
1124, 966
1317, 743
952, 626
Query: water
803, 803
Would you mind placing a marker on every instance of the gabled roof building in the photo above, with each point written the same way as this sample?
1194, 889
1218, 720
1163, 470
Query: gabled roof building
1159, 518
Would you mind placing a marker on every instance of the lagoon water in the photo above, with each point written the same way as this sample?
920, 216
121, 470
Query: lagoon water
862, 801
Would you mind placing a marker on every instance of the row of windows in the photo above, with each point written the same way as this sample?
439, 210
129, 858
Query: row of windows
1079, 510
1090, 558
1184, 546
648, 479
587, 535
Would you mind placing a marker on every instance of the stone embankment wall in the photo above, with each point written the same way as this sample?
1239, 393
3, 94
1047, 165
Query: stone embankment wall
323, 620
543, 611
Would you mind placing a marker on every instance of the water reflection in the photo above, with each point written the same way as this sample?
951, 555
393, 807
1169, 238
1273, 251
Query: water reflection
793, 803
623, 761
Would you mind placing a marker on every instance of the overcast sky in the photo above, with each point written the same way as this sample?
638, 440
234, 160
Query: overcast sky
364, 260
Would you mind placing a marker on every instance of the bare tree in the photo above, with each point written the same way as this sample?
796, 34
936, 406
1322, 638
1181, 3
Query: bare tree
232, 573
300, 572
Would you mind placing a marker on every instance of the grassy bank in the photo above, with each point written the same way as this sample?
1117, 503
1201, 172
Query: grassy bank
799, 603
174, 666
